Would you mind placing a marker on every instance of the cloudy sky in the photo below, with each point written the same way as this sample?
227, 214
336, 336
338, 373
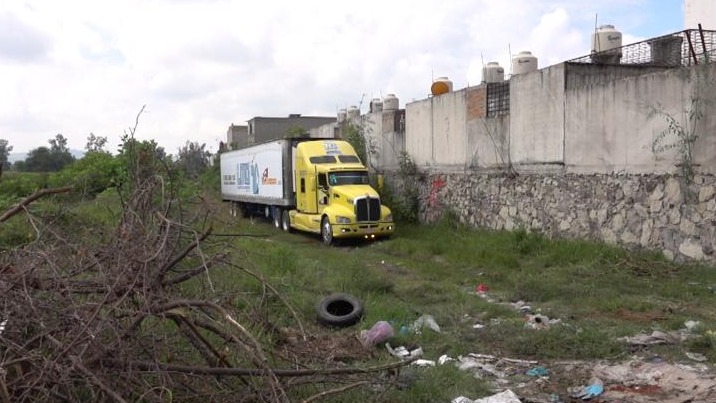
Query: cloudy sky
75, 67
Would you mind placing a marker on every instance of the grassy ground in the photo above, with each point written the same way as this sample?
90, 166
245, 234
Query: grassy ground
598, 292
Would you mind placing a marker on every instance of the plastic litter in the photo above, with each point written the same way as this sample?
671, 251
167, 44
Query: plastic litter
424, 363
656, 337
539, 321
423, 322
594, 389
379, 333
692, 324
404, 353
538, 371
482, 288
445, 359
506, 396
696, 356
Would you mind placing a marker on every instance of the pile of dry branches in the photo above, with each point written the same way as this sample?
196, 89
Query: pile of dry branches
103, 318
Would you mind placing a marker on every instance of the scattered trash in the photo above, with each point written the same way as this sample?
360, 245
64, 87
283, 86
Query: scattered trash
424, 321
479, 365
424, 363
678, 383
506, 396
540, 321
696, 356
379, 333
404, 353
2, 325
482, 288
656, 337
478, 326
594, 389
692, 324
444, 359
538, 371
522, 307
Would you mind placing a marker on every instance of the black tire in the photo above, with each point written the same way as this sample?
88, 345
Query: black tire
326, 231
339, 310
286, 221
277, 217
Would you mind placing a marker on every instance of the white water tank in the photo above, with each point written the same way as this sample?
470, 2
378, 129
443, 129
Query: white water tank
390, 103
376, 105
524, 62
353, 112
606, 45
342, 114
493, 73
441, 85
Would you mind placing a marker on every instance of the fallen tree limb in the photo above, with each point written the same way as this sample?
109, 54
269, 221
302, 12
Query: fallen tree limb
281, 373
29, 199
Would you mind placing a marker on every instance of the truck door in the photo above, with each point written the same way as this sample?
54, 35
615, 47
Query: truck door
322, 193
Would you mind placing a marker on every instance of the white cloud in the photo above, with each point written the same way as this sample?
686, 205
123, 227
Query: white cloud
88, 66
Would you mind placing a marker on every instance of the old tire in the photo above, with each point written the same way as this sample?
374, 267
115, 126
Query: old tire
326, 231
339, 310
286, 221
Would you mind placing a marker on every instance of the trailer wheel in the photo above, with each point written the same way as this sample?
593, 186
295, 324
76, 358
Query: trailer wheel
339, 310
286, 221
277, 217
326, 231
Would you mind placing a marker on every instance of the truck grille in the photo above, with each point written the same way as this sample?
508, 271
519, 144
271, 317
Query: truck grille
367, 209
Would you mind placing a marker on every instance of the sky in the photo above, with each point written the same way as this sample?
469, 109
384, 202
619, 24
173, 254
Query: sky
78, 67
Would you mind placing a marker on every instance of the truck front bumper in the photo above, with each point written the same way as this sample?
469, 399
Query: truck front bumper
364, 230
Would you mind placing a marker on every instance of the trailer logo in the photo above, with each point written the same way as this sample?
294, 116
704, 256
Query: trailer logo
266, 179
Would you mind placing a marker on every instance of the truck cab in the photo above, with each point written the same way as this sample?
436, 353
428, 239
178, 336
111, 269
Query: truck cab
333, 194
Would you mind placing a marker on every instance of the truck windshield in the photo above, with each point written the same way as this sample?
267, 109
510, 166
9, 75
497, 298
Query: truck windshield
348, 178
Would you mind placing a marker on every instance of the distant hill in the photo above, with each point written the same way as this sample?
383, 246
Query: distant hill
12, 157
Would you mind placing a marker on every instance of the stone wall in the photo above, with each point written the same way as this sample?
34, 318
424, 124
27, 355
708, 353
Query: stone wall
656, 212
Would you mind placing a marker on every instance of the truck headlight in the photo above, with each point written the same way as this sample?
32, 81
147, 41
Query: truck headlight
389, 217
343, 220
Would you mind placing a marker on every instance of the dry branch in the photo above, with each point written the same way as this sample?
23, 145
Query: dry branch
26, 201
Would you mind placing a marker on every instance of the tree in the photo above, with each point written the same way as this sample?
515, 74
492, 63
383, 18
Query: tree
95, 143
193, 159
5, 149
53, 159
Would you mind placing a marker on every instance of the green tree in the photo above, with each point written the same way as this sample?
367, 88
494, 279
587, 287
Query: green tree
53, 159
5, 149
95, 143
91, 174
193, 159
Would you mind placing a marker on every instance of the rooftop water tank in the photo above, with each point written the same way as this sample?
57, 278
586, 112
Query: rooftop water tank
342, 114
606, 45
441, 85
493, 73
376, 105
390, 103
524, 62
353, 112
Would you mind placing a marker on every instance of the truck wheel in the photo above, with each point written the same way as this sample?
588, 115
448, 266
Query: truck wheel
326, 231
286, 221
339, 310
277, 217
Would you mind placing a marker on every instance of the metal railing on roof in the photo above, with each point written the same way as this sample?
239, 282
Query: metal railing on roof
685, 48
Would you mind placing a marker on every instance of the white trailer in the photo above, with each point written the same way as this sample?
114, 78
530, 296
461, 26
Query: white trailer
259, 176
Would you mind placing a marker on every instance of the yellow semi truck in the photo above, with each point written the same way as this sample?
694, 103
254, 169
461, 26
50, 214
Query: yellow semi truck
318, 186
